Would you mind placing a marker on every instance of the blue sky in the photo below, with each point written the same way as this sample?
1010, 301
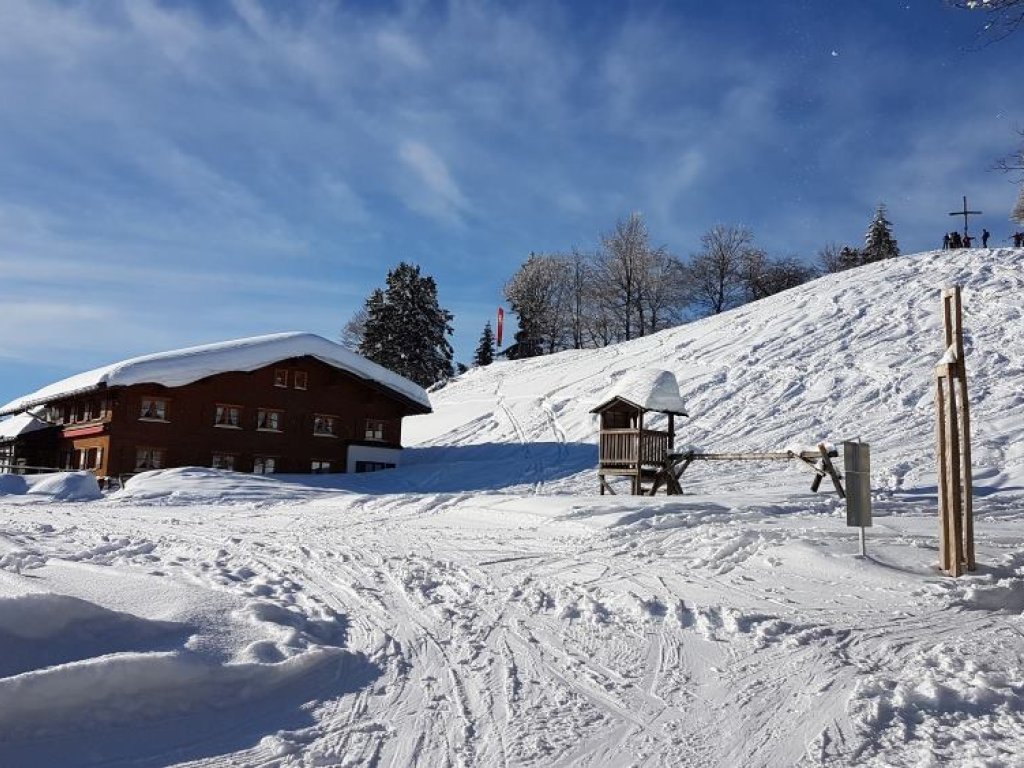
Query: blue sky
177, 173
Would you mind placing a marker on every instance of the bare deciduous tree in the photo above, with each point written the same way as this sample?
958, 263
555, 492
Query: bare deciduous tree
716, 273
1002, 17
355, 328
829, 257
580, 273
663, 292
622, 265
783, 274
539, 293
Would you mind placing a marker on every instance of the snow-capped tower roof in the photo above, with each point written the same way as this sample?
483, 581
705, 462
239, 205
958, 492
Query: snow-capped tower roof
184, 366
650, 389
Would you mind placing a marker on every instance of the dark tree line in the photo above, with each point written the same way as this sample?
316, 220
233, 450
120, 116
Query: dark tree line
879, 244
625, 289
630, 287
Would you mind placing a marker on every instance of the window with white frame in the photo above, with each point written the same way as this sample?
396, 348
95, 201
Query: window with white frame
280, 377
227, 416
374, 429
300, 380
264, 465
91, 458
223, 461
319, 467
149, 458
324, 425
269, 420
153, 409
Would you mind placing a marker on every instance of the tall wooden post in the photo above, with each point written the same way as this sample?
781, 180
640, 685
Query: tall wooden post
953, 436
637, 487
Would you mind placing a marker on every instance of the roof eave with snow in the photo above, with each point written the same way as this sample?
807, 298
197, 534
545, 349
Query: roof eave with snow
184, 366
619, 399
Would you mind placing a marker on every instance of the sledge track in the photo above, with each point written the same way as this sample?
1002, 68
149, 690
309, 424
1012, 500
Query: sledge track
551, 657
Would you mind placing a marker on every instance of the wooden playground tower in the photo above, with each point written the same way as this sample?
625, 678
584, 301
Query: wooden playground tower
628, 447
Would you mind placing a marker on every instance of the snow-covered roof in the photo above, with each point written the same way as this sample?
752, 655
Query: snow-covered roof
183, 366
21, 424
649, 388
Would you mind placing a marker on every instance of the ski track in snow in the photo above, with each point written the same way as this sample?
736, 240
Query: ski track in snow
522, 620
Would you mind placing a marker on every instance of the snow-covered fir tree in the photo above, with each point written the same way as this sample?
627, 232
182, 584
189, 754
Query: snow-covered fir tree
485, 349
849, 258
406, 329
878, 241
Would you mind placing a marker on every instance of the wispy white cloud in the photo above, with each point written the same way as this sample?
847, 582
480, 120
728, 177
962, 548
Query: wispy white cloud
434, 193
223, 168
400, 48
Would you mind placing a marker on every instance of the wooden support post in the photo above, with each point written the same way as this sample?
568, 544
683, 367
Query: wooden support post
953, 437
954, 505
965, 471
946, 556
831, 471
638, 486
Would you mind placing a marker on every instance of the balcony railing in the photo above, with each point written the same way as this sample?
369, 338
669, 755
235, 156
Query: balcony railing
624, 447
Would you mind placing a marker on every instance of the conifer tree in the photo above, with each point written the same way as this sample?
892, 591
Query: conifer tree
406, 329
878, 241
485, 349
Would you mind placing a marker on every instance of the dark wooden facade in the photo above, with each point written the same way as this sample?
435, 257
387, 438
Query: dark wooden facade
298, 415
29, 452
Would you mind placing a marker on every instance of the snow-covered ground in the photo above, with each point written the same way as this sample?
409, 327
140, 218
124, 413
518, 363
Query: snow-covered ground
482, 605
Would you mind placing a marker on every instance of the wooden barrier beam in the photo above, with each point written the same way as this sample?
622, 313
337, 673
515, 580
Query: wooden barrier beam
757, 456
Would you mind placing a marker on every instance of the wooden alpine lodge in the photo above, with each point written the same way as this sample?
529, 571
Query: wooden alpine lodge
291, 402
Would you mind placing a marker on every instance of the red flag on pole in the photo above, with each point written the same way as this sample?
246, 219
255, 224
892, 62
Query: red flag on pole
501, 325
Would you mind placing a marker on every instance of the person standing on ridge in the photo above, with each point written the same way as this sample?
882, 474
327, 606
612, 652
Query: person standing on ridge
984, 238
945, 242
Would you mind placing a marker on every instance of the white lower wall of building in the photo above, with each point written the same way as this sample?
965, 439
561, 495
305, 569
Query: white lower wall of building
372, 453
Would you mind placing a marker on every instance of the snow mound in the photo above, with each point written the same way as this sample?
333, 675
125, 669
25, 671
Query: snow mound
200, 485
69, 663
57, 486
45, 630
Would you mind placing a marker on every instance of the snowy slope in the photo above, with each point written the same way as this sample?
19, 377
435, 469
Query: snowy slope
849, 355
481, 606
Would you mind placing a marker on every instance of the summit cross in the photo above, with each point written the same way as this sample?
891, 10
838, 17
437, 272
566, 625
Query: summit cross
965, 213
